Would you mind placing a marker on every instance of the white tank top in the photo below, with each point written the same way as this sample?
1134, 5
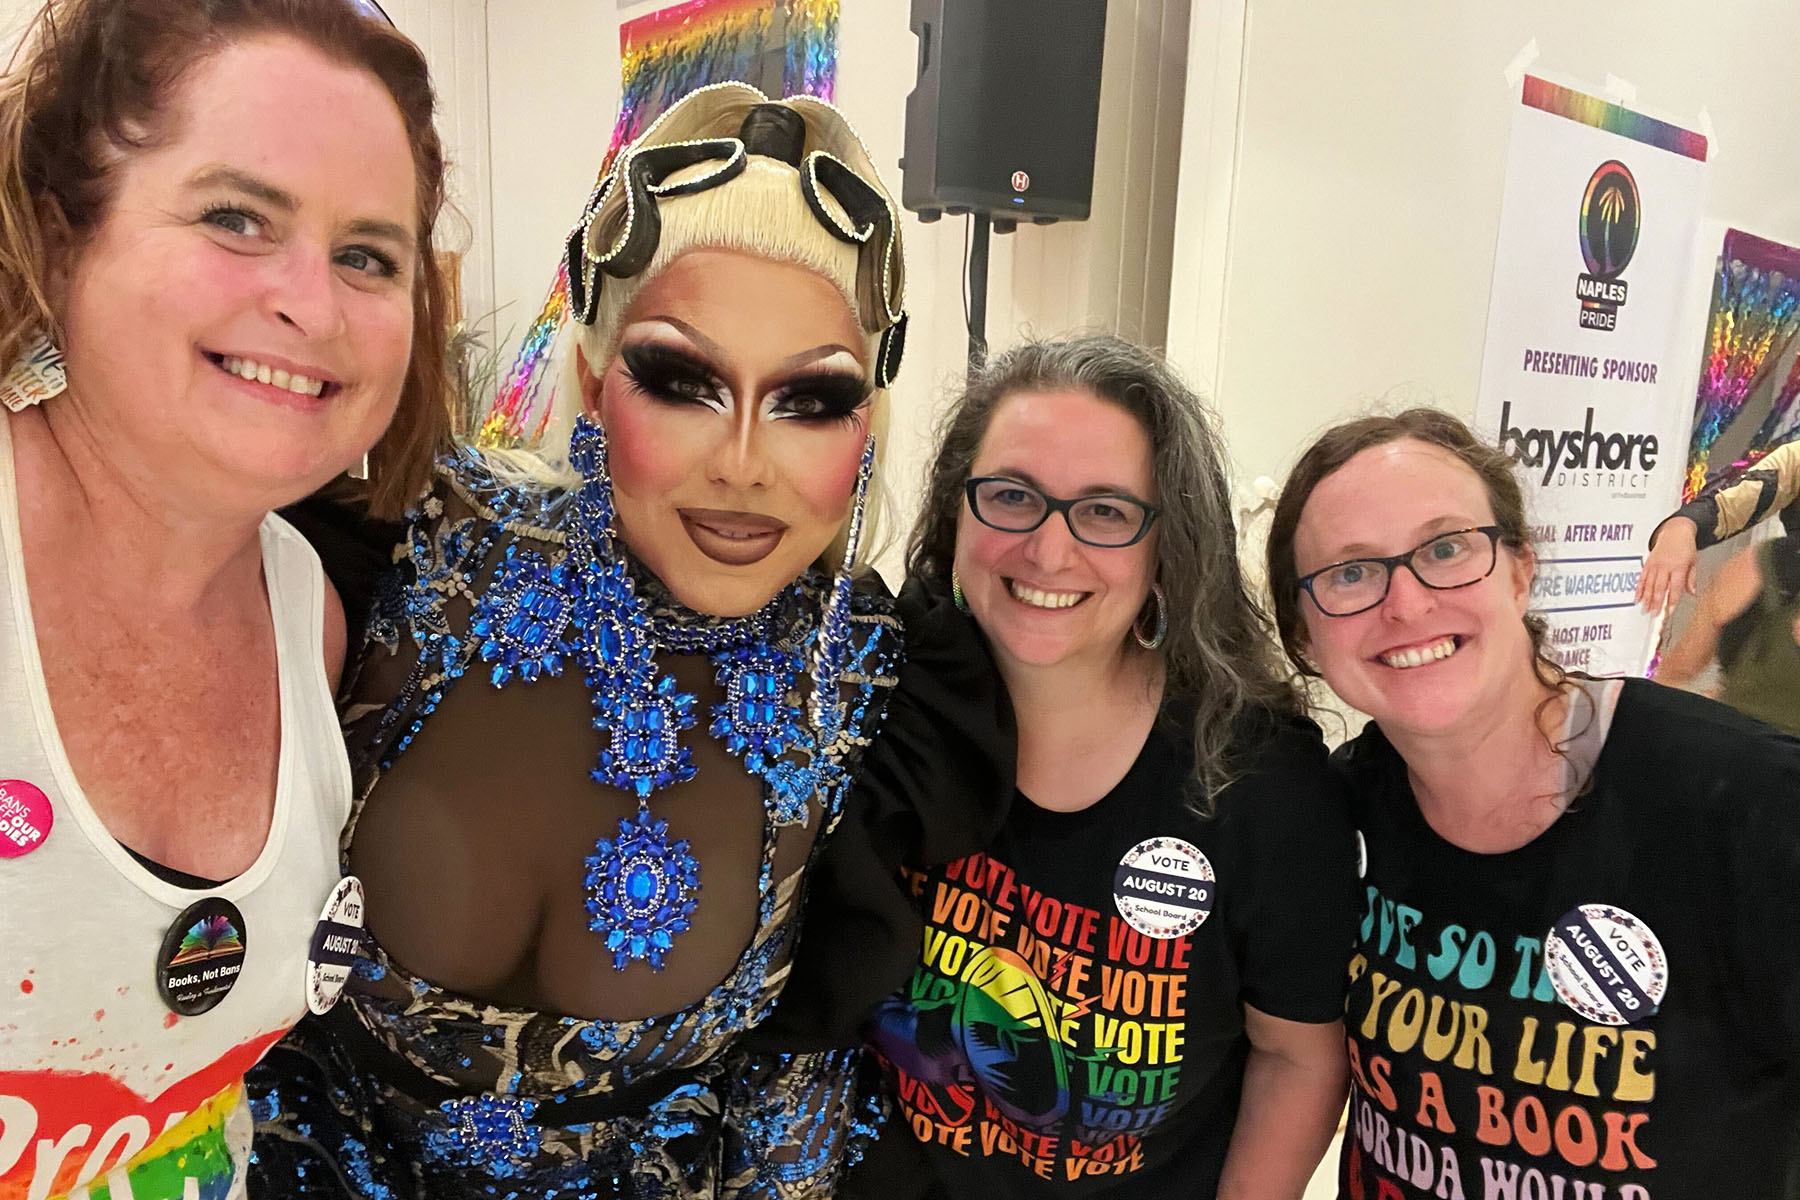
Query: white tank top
101, 1083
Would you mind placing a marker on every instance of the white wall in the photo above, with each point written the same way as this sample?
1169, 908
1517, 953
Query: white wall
553, 92
13, 16
453, 35
1355, 189
1110, 272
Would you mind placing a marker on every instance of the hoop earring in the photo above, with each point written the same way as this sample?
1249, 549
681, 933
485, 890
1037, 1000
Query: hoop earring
956, 592
1162, 620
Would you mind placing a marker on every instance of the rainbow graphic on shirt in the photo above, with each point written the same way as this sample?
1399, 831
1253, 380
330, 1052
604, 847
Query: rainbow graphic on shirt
1035, 1029
74, 1133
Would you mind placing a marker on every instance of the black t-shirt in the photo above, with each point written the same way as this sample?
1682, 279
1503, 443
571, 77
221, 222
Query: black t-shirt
1672, 892
1075, 1027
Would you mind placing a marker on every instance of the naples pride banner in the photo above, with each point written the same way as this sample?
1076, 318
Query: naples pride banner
1591, 273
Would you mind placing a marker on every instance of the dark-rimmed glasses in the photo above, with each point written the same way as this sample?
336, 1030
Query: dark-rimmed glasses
1109, 520
1443, 563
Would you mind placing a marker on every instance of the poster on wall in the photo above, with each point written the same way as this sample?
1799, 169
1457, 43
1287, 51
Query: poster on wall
1597, 233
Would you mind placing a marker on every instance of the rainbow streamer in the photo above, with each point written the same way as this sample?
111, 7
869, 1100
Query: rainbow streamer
1599, 114
784, 47
1755, 316
1783, 421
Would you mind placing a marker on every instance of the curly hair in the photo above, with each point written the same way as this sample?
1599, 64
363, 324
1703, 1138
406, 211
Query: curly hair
1341, 443
1219, 654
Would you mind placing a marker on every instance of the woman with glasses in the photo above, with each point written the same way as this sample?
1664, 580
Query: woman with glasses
1576, 973
1136, 989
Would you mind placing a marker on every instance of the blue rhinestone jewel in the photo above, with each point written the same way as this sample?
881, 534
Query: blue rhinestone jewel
640, 891
524, 619
492, 1131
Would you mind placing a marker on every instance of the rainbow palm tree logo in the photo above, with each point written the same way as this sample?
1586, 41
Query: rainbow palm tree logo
1610, 222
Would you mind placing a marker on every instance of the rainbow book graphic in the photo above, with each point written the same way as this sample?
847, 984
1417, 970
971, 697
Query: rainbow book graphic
211, 937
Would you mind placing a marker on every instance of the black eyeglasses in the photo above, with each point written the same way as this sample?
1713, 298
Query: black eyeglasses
1109, 520
1446, 562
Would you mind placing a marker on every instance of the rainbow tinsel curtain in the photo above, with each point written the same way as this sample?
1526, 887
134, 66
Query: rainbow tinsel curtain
1754, 320
784, 47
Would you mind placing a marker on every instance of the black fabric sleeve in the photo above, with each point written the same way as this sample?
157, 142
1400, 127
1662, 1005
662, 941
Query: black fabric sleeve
1771, 484
935, 785
1766, 772
1293, 910
1703, 511
354, 548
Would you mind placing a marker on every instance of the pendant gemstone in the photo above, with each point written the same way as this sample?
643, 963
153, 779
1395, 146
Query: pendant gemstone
641, 890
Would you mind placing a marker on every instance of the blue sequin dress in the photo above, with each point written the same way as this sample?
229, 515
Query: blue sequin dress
475, 832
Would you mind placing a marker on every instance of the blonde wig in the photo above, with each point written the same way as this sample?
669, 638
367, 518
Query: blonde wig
726, 168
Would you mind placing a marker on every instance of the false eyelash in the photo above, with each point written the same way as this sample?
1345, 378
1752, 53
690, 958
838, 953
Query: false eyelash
839, 395
667, 374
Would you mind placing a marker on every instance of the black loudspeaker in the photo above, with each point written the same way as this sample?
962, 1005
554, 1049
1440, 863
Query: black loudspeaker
1003, 118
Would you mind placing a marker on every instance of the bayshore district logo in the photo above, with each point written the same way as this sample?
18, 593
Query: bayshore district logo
1611, 219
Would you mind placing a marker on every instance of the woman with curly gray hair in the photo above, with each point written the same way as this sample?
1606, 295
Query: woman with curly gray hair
1137, 986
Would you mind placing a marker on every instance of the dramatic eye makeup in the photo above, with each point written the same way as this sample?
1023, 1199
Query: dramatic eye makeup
670, 375
673, 375
822, 396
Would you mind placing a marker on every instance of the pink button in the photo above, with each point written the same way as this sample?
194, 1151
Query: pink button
25, 818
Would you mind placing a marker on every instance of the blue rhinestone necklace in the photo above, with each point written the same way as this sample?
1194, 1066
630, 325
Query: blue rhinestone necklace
641, 886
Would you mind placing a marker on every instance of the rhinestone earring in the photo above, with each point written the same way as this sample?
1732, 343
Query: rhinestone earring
832, 649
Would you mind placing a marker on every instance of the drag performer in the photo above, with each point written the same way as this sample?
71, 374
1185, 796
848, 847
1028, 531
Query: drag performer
608, 716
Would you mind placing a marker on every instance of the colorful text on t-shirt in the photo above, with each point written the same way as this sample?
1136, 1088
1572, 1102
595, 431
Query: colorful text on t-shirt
1474, 1080
1036, 1029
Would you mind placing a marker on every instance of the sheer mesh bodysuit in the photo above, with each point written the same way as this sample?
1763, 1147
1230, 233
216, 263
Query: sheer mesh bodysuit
486, 1045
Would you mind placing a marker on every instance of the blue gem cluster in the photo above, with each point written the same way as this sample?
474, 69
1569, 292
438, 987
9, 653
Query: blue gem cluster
640, 890
491, 1132
533, 614
641, 885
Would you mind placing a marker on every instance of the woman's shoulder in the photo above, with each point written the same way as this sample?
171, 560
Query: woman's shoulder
1264, 738
1680, 745
1277, 759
